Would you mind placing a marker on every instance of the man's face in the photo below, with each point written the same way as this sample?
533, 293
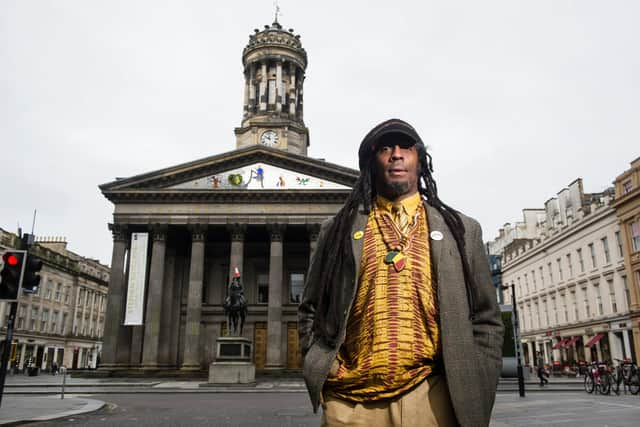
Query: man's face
396, 168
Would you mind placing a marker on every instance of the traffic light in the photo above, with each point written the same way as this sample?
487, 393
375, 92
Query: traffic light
11, 274
31, 278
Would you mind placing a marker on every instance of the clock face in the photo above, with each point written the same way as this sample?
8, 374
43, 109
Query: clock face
269, 138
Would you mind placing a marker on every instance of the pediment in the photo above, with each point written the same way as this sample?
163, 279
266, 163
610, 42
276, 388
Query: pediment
259, 176
251, 169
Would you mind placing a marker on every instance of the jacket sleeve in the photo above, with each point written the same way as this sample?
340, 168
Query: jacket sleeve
488, 329
307, 307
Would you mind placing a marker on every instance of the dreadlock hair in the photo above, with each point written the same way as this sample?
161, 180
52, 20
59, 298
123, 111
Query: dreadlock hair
335, 253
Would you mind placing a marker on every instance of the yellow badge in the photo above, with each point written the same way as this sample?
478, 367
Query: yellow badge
358, 235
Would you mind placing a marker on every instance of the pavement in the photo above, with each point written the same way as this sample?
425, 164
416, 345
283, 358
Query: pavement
38, 398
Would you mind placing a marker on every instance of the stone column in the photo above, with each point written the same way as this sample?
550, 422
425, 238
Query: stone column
274, 311
236, 253
252, 88
167, 353
627, 343
113, 328
22, 354
587, 350
191, 359
615, 346
262, 98
45, 354
246, 92
292, 89
55, 355
279, 94
154, 299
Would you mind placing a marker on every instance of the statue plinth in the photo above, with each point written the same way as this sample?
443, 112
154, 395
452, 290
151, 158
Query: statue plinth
233, 362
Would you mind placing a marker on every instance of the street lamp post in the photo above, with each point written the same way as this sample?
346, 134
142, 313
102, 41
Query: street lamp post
516, 338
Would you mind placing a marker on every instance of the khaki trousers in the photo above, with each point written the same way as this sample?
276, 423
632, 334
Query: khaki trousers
425, 406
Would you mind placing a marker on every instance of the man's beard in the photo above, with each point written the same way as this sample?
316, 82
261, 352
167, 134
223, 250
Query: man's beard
394, 190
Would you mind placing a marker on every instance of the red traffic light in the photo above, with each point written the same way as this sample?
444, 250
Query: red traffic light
10, 259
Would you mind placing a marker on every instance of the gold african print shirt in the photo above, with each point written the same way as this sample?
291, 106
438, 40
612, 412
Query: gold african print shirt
392, 339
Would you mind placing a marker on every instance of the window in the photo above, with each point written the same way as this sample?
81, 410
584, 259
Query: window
580, 260
612, 297
536, 316
63, 327
44, 320
565, 308
49, 290
592, 251
34, 318
574, 303
541, 277
605, 247
587, 308
272, 91
627, 297
546, 312
58, 291
570, 265
66, 295
635, 235
296, 284
54, 322
559, 261
554, 310
526, 282
599, 301
619, 243
263, 288
520, 290
550, 273
533, 277
626, 187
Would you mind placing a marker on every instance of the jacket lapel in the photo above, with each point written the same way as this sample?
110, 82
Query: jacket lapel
358, 227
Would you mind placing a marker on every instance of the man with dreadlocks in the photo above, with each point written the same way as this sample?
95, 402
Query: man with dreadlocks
399, 324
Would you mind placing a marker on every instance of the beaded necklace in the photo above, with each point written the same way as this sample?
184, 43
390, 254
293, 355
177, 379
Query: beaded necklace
387, 225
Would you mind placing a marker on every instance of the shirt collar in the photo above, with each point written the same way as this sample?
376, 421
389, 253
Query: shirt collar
410, 204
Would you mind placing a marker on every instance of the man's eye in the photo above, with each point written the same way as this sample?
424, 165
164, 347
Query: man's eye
384, 149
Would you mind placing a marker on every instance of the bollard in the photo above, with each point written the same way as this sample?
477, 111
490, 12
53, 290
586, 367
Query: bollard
64, 379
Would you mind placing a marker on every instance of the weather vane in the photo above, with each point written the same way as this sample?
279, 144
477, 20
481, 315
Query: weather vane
277, 7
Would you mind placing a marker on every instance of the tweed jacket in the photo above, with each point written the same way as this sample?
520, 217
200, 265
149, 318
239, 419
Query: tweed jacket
471, 346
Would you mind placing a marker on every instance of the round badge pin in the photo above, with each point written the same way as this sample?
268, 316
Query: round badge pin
358, 235
436, 235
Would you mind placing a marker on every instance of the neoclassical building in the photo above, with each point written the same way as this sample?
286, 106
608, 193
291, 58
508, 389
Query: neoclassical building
63, 320
257, 208
572, 289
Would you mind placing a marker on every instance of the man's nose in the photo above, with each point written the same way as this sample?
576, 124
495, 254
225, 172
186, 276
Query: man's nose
396, 152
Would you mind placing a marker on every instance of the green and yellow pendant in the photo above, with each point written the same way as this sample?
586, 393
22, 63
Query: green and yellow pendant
397, 259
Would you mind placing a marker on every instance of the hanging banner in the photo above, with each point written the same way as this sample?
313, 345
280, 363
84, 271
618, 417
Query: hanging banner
137, 276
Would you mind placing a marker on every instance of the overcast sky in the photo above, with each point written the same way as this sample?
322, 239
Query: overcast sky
515, 99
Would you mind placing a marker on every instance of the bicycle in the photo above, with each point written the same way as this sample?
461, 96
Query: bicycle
598, 378
627, 374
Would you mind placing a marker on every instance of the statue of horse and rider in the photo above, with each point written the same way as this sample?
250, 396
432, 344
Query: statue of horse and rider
235, 306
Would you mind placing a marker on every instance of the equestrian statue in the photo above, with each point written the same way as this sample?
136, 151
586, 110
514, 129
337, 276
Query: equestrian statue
235, 306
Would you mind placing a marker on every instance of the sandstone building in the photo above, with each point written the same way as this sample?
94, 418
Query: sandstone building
64, 320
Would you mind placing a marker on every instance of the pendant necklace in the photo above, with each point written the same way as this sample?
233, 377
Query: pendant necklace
395, 254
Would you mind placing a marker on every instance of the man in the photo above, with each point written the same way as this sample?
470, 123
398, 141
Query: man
542, 372
398, 322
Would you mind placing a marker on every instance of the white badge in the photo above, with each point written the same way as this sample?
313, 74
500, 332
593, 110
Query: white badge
436, 235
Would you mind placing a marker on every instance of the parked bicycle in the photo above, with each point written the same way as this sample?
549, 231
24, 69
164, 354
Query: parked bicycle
626, 374
598, 378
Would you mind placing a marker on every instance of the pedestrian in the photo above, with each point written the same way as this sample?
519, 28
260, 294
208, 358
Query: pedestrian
542, 372
399, 323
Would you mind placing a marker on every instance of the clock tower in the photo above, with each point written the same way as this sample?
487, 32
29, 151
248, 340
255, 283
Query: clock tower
274, 66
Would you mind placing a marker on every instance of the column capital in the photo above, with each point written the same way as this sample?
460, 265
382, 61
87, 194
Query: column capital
119, 232
159, 232
276, 231
198, 232
314, 231
237, 231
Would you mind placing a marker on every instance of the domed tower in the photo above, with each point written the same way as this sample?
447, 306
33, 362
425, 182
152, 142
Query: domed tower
274, 66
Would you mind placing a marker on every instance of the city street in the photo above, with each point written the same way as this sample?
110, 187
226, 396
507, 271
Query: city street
293, 409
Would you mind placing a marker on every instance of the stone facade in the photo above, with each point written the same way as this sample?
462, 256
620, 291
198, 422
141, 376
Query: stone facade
627, 206
64, 319
257, 208
571, 286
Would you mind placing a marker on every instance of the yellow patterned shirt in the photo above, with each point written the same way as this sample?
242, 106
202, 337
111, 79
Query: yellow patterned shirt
392, 339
